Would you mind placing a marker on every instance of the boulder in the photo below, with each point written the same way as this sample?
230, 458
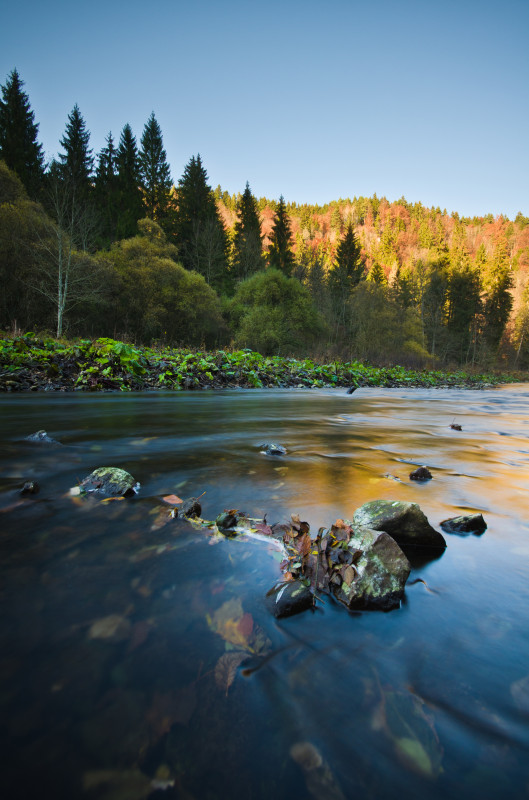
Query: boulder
421, 474
110, 482
404, 522
377, 578
471, 523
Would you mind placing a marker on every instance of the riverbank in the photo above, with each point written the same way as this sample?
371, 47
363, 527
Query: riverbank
29, 363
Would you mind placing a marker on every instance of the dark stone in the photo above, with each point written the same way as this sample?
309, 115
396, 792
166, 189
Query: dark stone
30, 487
191, 507
271, 449
289, 598
404, 522
471, 523
351, 390
421, 474
226, 522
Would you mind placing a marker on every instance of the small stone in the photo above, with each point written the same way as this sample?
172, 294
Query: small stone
191, 507
226, 522
272, 449
289, 598
421, 474
41, 436
110, 482
470, 523
30, 487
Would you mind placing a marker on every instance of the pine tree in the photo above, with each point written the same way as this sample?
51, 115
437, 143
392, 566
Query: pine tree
128, 181
247, 238
348, 269
155, 174
377, 275
107, 192
280, 255
77, 162
499, 301
200, 235
19, 147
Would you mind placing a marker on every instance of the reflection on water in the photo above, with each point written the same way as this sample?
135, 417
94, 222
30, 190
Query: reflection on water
137, 658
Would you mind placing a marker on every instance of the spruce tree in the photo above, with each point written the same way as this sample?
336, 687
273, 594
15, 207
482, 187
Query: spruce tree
128, 182
200, 235
498, 301
280, 255
348, 269
77, 162
19, 147
106, 192
247, 238
155, 174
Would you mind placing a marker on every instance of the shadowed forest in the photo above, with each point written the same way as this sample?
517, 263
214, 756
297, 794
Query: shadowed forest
108, 244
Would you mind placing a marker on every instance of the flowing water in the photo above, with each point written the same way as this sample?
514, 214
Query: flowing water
137, 655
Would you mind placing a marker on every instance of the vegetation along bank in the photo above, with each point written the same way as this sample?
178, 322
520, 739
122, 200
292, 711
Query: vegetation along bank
29, 363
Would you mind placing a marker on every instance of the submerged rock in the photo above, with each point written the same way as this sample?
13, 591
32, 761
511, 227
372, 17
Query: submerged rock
41, 436
421, 474
30, 487
272, 449
110, 482
404, 522
289, 598
377, 578
470, 523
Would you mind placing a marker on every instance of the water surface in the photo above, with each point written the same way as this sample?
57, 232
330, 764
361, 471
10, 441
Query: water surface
431, 699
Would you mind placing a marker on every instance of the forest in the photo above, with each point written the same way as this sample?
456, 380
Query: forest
108, 244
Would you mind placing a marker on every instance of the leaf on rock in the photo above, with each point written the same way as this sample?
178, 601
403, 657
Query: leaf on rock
226, 669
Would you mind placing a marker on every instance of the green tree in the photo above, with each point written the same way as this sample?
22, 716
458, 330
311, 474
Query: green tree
200, 235
498, 300
156, 297
377, 275
463, 307
348, 268
247, 239
280, 255
130, 205
106, 192
274, 314
76, 163
19, 147
155, 174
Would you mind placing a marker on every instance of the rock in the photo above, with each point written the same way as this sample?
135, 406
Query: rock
289, 598
421, 474
471, 523
351, 390
404, 522
191, 507
41, 436
456, 427
378, 576
225, 522
30, 487
271, 449
110, 482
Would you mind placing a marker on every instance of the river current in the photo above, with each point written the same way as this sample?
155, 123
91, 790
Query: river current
138, 658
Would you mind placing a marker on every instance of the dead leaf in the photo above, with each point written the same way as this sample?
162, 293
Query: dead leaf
172, 499
114, 628
226, 669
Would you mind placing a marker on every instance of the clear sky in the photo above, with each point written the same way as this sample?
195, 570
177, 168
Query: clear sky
312, 100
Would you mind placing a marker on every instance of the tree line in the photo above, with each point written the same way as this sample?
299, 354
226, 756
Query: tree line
110, 245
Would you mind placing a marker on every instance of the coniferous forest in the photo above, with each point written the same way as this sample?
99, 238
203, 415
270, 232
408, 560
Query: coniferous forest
111, 244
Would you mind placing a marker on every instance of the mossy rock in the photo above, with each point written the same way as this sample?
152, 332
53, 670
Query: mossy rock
404, 522
110, 482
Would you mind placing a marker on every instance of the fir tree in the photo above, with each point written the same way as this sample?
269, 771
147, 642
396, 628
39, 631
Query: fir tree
155, 175
76, 164
200, 234
107, 192
247, 238
377, 275
348, 269
280, 255
499, 301
128, 182
19, 147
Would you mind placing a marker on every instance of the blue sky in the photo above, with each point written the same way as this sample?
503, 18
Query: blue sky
312, 100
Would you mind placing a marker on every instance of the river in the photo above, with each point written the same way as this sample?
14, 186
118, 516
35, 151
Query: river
137, 655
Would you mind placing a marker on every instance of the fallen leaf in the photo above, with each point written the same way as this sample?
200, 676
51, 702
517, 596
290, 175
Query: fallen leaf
114, 628
245, 625
172, 499
226, 669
